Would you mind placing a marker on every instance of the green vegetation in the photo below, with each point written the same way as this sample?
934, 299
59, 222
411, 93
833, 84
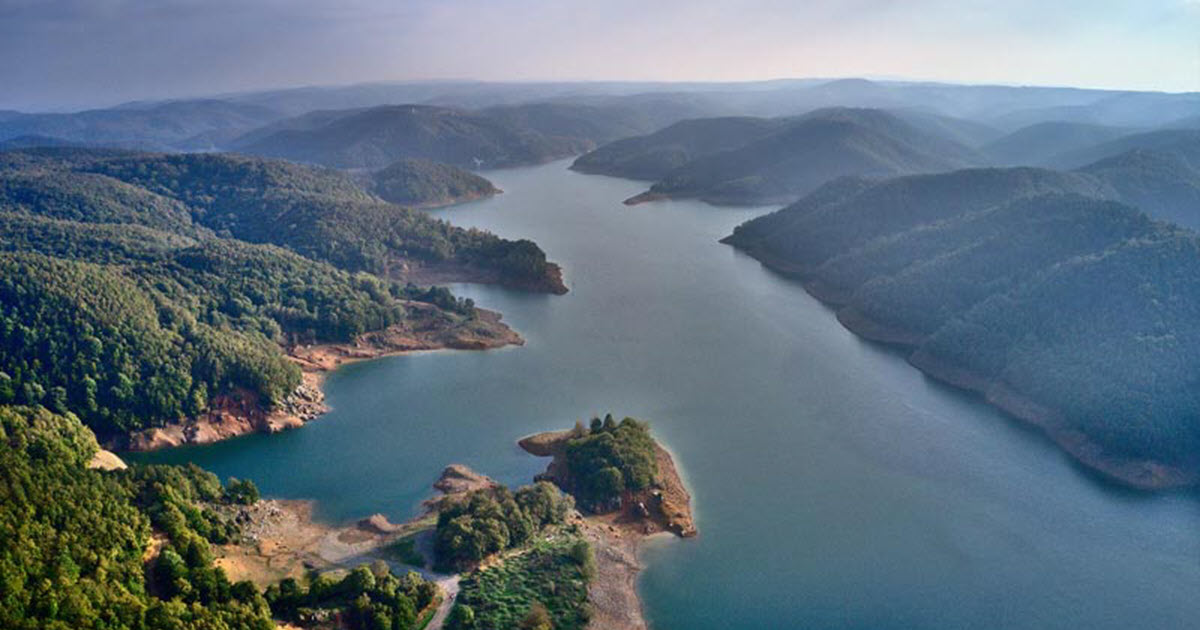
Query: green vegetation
756, 160
611, 459
120, 304
405, 550
1021, 282
318, 213
423, 183
492, 520
72, 539
367, 598
544, 586
376, 137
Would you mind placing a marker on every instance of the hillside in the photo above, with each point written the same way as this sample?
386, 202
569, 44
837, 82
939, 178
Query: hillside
1036, 144
1164, 185
376, 137
177, 125
1184, 143
756, 161
136, 308
418, 183
1021, 284
318, 213
654, 156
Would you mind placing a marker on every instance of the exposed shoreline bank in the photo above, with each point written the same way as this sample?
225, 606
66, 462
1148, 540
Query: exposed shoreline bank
1140, 474
240, 414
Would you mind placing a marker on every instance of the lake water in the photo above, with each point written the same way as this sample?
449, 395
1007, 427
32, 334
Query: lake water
835, 486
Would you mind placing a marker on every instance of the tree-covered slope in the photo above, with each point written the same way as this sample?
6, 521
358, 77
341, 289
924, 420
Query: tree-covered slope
1030, 286
749, 161
652, 157
73, 540
376, 137
1036, 144
421, 183
319, 213
183, 125
135, 308
1164, 184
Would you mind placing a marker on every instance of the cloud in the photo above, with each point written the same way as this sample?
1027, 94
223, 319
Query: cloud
68, 53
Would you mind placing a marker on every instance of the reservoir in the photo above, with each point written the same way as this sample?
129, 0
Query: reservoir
834, 485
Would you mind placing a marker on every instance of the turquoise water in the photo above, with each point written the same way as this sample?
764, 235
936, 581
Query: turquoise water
835, 486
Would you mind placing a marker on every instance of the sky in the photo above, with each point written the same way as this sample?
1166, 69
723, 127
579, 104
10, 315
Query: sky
67, 54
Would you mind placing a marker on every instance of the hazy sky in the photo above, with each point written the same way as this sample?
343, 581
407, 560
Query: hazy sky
71, 53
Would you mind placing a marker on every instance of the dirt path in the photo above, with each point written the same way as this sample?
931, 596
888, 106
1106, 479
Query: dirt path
449, 588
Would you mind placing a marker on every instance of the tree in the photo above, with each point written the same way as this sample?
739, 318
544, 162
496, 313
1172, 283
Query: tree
462, 617
538, 618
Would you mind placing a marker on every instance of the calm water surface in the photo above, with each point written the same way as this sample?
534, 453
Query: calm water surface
835, 486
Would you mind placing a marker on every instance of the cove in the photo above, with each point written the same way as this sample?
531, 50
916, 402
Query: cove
834, 485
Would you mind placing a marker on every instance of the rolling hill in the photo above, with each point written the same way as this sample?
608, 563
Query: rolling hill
418, 183
1023, 285
756, 161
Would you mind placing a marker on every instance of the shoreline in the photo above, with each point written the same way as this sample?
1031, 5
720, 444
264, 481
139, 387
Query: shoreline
240, 413
1139, 474
617, 537
284, 538
446, 273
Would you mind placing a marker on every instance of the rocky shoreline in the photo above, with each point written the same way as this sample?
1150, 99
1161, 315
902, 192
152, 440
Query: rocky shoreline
617, 536
1141, 474
241, 413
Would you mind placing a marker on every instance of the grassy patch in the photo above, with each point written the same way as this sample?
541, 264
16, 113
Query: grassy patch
405, 550
549, 571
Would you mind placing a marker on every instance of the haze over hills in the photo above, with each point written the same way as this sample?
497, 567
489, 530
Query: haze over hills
748, 161
1039, 143
177, 125
202, 124
379, 136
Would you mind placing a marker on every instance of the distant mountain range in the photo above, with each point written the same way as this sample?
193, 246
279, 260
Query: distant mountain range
376, 137
749, 161
179, 125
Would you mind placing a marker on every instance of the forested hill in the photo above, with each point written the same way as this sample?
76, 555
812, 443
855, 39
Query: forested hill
318, 213
199, 124
376, 137
126, 298
418, 183
1025, 285
132, 549
755, 161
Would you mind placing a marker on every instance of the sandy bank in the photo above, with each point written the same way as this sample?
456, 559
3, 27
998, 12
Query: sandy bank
281, 538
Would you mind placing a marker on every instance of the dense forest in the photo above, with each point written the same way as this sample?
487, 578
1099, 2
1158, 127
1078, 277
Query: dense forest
610, 459
125, 306
419, 183
492, 520
76, 550
318, 213
72, 540
1023, 284
756, 160
378, 136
